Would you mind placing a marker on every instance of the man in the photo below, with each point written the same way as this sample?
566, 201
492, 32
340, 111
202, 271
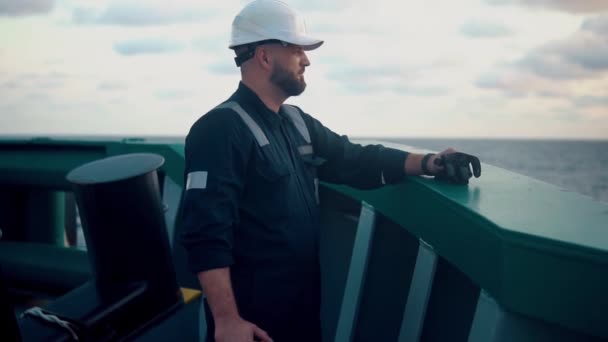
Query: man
253, 163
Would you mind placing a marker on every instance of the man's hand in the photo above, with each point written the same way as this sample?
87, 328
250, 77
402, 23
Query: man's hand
229, 326
453, 167
236, 329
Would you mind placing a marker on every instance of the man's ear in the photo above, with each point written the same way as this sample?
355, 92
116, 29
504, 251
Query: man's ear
263, 58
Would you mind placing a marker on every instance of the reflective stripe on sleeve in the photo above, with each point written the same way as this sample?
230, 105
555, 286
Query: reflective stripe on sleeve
196, 180
252, 125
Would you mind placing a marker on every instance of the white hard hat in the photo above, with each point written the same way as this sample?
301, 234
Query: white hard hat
269, 20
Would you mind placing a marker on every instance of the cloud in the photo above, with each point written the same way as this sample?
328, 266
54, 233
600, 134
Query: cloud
573, 6
10, 85
589, 53
321, 5
223, 68
551, 93
83, 16
598, 24
582, 55
363, 73
38, 96
476, 28
510, 82
147, 46
516, 81
552, 65
367, 79
591, 101
337, 27
25, 7
490, 81
51, 84
173, 94
386, 78
206, 44
422, 91
137, 14
48, 80
111, 86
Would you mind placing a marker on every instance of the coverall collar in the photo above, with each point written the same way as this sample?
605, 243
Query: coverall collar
249, 96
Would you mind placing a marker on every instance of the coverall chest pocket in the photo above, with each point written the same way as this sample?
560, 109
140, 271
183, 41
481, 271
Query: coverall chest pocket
272, 172
272, 188
312, 163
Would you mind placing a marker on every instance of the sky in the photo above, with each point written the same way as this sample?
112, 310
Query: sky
398, 68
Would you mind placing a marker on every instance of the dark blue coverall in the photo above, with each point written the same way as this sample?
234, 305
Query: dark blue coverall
254, 208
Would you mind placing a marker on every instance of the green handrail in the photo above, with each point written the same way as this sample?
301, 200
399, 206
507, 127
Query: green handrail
537, 249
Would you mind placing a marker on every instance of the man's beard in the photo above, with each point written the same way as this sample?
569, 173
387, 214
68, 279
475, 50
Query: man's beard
283, 79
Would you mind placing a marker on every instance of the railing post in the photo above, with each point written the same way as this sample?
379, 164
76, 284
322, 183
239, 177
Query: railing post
418, 297
356, 274
45, 216
493, 323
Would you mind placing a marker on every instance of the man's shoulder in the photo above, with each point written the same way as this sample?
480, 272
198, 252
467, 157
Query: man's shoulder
311, 121
220, 119
222, 113
296, 109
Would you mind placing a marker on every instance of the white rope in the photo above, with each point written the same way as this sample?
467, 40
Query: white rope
38, 312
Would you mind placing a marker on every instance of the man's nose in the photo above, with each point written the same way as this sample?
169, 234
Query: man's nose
305, 61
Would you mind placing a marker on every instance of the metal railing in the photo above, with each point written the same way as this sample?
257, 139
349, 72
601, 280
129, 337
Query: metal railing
505, 258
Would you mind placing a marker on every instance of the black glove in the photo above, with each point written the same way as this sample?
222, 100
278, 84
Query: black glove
456, 168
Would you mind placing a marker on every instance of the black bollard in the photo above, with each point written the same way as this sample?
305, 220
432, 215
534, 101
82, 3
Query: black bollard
124, 228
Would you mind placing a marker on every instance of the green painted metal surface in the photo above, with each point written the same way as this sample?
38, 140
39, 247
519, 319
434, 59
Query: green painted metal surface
538, 250
46, 161
43, 268
45, 209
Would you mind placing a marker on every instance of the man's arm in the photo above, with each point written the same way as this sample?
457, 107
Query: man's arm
363, 167
229, 326
216, 152
218, 290
372, 166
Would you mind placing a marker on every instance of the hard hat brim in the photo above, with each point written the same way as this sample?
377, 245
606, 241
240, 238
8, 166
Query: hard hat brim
307, 43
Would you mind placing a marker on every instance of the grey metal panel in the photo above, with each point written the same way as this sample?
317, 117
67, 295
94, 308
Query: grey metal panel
418, 297
171, 197
356, 275
485, 320
493, 323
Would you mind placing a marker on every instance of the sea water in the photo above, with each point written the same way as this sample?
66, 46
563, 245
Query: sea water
580, 166
574, 165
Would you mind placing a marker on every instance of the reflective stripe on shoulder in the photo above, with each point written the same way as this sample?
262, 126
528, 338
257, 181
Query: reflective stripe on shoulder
251, 124
297, 120
196, 180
